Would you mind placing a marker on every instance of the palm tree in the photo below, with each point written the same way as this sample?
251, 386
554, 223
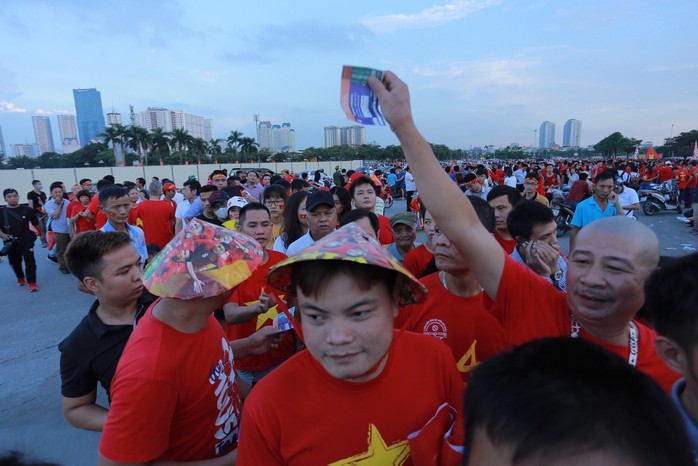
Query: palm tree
248, 146
214, 148
114, 134
138, 139
160, 143
180, 141
199, 147
234, 141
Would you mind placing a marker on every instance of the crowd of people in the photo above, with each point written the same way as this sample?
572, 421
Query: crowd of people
338, 338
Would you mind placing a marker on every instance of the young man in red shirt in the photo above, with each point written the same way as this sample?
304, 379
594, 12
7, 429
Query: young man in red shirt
361, 388
363, 195
157, 216
251, 307
502, 199
608, 266
418, 260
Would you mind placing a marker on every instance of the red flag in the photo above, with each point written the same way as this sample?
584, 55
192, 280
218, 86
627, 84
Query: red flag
652, 154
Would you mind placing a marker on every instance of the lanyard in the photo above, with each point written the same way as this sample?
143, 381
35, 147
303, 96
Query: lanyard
634, 338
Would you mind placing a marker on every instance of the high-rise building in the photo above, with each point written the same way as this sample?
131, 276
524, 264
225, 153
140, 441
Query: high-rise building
113, 118
42, 131
169, 120
19, 150
333, 136
208, 129
69, 133
353, 135
546, 137
90, 116
572, 133
2, 143
276, 138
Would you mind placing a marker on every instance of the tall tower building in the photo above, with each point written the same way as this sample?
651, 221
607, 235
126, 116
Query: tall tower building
333, 136
546, 135
572, 134
353, 135
208, 129
2, 143
113, 118
90, 116
20, 150
42, 131
169, 120
265, 139
69, 133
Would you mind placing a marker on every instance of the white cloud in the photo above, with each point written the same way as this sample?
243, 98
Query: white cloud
429, 17
9, 107
41, 111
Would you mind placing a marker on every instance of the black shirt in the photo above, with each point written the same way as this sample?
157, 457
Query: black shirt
18, 224
214, 220
39, 199
92, 351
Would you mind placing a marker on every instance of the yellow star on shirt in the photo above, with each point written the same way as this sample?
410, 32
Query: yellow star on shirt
269, 315
378, 453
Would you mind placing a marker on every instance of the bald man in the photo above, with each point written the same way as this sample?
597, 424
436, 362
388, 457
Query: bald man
611, 259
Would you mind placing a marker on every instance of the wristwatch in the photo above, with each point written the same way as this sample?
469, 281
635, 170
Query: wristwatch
557, 276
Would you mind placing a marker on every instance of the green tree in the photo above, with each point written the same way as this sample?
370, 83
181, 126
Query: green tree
214, 149
114, 134
248, 146
21, 161
234, 140
138, 139
616, 142
199, 147
160, 143
180, 141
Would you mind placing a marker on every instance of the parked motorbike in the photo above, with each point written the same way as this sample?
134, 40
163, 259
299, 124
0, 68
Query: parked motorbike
563, 217
662, 196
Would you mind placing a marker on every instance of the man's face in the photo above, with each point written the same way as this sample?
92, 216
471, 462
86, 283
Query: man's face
347, 332
121, 277
133, 195
188, 193
76, 189
266, 180
170, 194
219, 181
204, 201
404, 236
446, 256
12, 199
481, 179
546, 233
257, 224
501, 207
117, 209
87, 185
365, 197
322, 221
530, 186
604, 188
474, 187
85, 200
57, 193
605, 277
275, 205
252, 179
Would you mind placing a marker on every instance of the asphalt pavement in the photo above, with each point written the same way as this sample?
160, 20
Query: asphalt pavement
33, 324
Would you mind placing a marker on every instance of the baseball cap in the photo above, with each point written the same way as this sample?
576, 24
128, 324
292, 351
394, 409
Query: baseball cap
237, 201
317, 198
221, 260
405, 218
218, 196
349, 243
169, 186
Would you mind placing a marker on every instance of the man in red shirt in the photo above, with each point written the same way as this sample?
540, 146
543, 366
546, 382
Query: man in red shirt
692, 183
168, 191
95, 213
502, 199
78, 214
251, 308
665, 172
157, 217
419, 260
363, 195
608, 266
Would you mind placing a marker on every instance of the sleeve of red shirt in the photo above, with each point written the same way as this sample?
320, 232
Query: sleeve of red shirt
138, 426
385, 233
94, 205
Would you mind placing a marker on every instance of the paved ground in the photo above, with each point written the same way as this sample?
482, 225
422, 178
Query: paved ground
33, 324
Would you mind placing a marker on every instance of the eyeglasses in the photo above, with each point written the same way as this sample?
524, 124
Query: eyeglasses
274, 203
531, 183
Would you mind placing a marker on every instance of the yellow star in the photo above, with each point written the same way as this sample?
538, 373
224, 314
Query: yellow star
269, 315
378, 453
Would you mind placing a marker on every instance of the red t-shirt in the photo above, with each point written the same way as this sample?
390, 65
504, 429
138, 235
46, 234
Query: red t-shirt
81, 223
507, 244
529, 308
665, 173
683, 178
246, 294
174, 396
464, 324
417, 260
97, 212
693, 181
300, 415
158, 221
385, 233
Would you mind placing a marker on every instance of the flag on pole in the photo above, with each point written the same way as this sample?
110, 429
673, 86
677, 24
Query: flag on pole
695, 150
636, 152
652, 154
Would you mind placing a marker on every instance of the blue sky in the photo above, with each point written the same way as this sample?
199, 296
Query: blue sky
480, 71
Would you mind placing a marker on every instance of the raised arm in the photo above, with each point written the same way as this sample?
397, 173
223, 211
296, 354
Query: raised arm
451, 210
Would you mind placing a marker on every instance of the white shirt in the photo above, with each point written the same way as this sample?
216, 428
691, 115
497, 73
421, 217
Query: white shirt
409, 182
510, 181
182, 207
628, 197
299, 244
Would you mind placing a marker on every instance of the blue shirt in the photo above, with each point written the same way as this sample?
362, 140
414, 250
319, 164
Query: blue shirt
137, 239
562, 284
392, 179
691, 428
60, 223
196, 208
588, 210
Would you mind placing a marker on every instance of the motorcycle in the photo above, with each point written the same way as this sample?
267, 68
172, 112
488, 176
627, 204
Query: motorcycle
387, 195
563, 217
662, 196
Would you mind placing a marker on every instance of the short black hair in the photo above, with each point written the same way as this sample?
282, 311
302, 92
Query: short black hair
671, 295
513, 195
86, 250
103, 183
207, 188
194, 185
56, 184
484, 212
357, 214
249, 207
526, 215
109, 178
111, 192
9, 191
298, 184
605, 175
583, 176
129, 185
275, 190
84, 180
34, 182
82, 193
361, 181
535, 403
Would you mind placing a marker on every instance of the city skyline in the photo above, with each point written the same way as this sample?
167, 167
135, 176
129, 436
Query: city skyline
481, 72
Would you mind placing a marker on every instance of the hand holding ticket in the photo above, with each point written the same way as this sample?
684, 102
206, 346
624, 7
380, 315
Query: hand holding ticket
357, 99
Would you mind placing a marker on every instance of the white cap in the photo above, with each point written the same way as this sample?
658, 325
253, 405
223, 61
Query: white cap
237, 201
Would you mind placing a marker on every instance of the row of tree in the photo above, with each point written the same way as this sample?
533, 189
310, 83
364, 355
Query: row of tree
179, 147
